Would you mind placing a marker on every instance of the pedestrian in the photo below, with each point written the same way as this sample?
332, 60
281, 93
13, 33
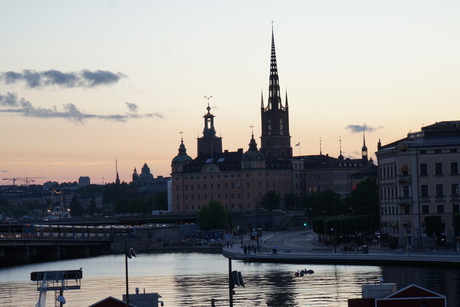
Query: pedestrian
249, 248
245, 249
275, 249
255, 248
228, 243
231, 244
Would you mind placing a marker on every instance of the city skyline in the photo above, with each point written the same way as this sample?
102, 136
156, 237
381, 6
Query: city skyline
84, 84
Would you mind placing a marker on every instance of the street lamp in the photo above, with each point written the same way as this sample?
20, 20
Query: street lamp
128, 254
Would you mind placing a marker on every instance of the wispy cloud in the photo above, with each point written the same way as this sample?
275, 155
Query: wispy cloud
10, 103
84, 78
361, 128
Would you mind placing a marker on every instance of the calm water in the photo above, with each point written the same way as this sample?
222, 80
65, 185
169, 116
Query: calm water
194, 279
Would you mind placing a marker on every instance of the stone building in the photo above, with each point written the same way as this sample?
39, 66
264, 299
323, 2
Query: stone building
240, 179
419, 178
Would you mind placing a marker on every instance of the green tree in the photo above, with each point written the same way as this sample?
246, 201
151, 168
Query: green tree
364, 198
213, 216
327, 203
270, 200
122, 206
160, 201
292, 201
76, 209
92, 206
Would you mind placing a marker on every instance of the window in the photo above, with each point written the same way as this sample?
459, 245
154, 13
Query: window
456, 208
406, 210
440, 209
439, 190
425, 209
454, 189
454, 168
406, 191
437, 151
423, 169
424, 190
438, 168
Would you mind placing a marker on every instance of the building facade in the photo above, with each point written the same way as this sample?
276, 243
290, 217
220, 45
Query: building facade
240, 179
419, 178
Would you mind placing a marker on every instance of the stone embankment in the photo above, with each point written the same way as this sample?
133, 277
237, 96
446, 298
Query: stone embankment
300, 248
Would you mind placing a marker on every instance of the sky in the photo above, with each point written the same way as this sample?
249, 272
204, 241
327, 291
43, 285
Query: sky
86, 83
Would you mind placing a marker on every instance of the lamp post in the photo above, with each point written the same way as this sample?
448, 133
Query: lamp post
128, 254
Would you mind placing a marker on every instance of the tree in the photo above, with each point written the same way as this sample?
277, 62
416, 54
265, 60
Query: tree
213, 216
75, 206
160, 201
292, 201
364, 198
327, 203
92, 206
270, 200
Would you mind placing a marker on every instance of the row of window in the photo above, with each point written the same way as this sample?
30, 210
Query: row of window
391, 192
394, 210
232, 185
438, 169
198, 207
439, 191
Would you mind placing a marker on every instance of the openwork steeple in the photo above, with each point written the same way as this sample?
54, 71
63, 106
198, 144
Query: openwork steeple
274, 98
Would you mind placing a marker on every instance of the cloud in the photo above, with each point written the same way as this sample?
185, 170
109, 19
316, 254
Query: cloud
132, 107
3, 171
84, 78
10, 103
361, 128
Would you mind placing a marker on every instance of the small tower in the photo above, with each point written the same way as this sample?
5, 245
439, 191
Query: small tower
252, 158
181, 159
209, 143
340, 156
135, 175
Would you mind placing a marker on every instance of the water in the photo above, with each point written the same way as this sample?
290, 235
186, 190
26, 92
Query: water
194, 279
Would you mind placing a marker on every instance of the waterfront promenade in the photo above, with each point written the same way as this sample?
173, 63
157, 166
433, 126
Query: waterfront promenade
302, 248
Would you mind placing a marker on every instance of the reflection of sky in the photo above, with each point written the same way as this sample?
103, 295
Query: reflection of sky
193, 279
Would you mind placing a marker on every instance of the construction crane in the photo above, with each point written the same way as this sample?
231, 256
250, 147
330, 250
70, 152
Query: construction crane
27, 180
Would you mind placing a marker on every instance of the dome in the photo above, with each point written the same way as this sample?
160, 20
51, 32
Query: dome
253, 153
182, 157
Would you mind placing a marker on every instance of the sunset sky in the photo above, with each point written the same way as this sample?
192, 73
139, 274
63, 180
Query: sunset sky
85, 83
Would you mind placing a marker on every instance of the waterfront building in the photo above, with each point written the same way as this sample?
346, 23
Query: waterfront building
84, 181
145, 185
240, 179
418, 179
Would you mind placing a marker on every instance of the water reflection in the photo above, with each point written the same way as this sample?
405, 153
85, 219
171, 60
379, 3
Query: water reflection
194, 279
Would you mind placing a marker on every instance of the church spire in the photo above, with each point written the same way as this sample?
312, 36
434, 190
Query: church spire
340, 143
274, 99
364, 148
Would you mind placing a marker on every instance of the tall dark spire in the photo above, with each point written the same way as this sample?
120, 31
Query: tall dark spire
364, 148
274, 98
275, 139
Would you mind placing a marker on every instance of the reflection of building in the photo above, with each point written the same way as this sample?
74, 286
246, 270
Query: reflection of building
419, 177
239, 179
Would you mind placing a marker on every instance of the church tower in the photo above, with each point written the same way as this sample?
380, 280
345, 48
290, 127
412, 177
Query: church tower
209, 143
275, 139
364, 154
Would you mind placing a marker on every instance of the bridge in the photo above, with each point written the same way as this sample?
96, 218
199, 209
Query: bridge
20, 248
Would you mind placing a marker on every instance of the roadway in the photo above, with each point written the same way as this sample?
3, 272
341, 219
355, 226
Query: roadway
303, 247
